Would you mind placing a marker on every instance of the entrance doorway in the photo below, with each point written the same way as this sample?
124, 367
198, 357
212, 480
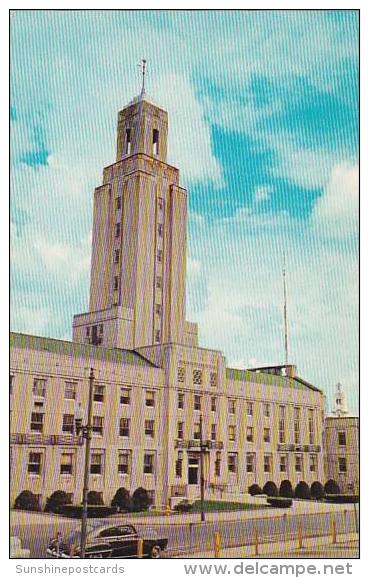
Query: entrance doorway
193, 471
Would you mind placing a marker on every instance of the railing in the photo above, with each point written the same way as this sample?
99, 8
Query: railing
46, 440
196, 444
299, 448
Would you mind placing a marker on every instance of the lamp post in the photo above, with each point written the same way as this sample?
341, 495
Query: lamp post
203, 448
86, 432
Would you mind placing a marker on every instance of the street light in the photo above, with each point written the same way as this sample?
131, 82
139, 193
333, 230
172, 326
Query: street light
86, 432
203, 449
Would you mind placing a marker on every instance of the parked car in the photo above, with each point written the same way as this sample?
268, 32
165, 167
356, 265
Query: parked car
108, 541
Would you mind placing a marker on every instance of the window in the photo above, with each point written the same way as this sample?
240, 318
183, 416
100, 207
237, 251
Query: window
125, 396
196, 431
124, 427
155, 142
123, 463
96, 464
70, 390
34, 463
181, 373
250, 463
266, 407
159, 255
250, 434
217, 464
117, 229
341, 438
66, 464
267, 435
197, 403
311, 427
39, 387
118, 203
213, 404
180, 430
296, 420
232, 433
149, 428
298, 463
148, 463
313, 462
99, 393
267, 463
232, 406
68, 423
157, 336
180, 400
158, 309
250, 408
116, 282
197, 376
128, 141
179, 465
160, 230
160, 203
232, 463
116, 255
159, 282
87, 331
97, 425
213, 379
342, 464
11, 384
213, 432
282, 430
283, 463
150, 398
37, 421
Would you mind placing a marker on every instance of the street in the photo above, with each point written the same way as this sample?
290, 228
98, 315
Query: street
196, 536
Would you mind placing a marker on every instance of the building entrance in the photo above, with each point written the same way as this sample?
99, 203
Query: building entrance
193, 471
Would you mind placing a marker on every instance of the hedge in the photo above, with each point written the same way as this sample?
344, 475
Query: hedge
278, 502
140, 500
342, 498
302, 491
75, 511
317, 491
286, 489
331, 487
270, 489
56, 500
26, 500
255, 490
122, 500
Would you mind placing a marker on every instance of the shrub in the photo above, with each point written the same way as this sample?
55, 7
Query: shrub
255, 490
75, 511
183, 506
94, 498
285, 489
302, 491
270, 489
317, 491
140, 500
278, 502
342, 498
331, 487
122, 500
27, 501
57, 499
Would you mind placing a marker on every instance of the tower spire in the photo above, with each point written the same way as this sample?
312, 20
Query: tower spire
142, 65
285, 309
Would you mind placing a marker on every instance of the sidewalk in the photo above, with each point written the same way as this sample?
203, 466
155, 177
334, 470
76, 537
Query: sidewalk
347, 546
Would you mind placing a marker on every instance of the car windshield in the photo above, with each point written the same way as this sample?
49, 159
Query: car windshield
75, 536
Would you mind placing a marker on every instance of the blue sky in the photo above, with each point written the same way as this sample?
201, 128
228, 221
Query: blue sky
263, 126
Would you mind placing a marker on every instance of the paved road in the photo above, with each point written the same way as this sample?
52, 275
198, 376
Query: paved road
197, 536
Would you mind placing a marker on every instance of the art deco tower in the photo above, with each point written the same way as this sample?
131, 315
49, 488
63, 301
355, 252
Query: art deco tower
138, 266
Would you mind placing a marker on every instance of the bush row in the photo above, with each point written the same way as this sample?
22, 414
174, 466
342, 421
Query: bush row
303, 491
59, 502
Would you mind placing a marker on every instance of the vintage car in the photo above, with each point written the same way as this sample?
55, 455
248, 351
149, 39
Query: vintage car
109, 541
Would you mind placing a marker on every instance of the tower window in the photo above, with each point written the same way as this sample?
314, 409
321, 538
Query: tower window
128, 141
155, 142
116, 256
117, 229
116, 282
118, 203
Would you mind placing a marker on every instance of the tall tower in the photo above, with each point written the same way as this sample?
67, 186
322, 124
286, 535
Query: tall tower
138, 266
340, 402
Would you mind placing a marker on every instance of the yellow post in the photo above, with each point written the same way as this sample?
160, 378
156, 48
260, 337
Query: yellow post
334, 531
140, 544
217, 545
256, 541
299, 535
168, 510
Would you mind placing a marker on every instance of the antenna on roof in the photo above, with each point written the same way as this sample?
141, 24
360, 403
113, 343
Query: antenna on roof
142, 65
285, 309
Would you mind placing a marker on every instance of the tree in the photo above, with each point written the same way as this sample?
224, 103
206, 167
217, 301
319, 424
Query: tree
140, 499
122, 500
302, 491
286, 490
57, 499
94, 498
255, 490
331, 487
26, 500
317, 491
270, 489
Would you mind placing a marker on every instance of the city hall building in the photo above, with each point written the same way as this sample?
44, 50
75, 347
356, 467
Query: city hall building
156, 392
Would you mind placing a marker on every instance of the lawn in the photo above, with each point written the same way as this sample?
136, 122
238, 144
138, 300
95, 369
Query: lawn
218, 506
